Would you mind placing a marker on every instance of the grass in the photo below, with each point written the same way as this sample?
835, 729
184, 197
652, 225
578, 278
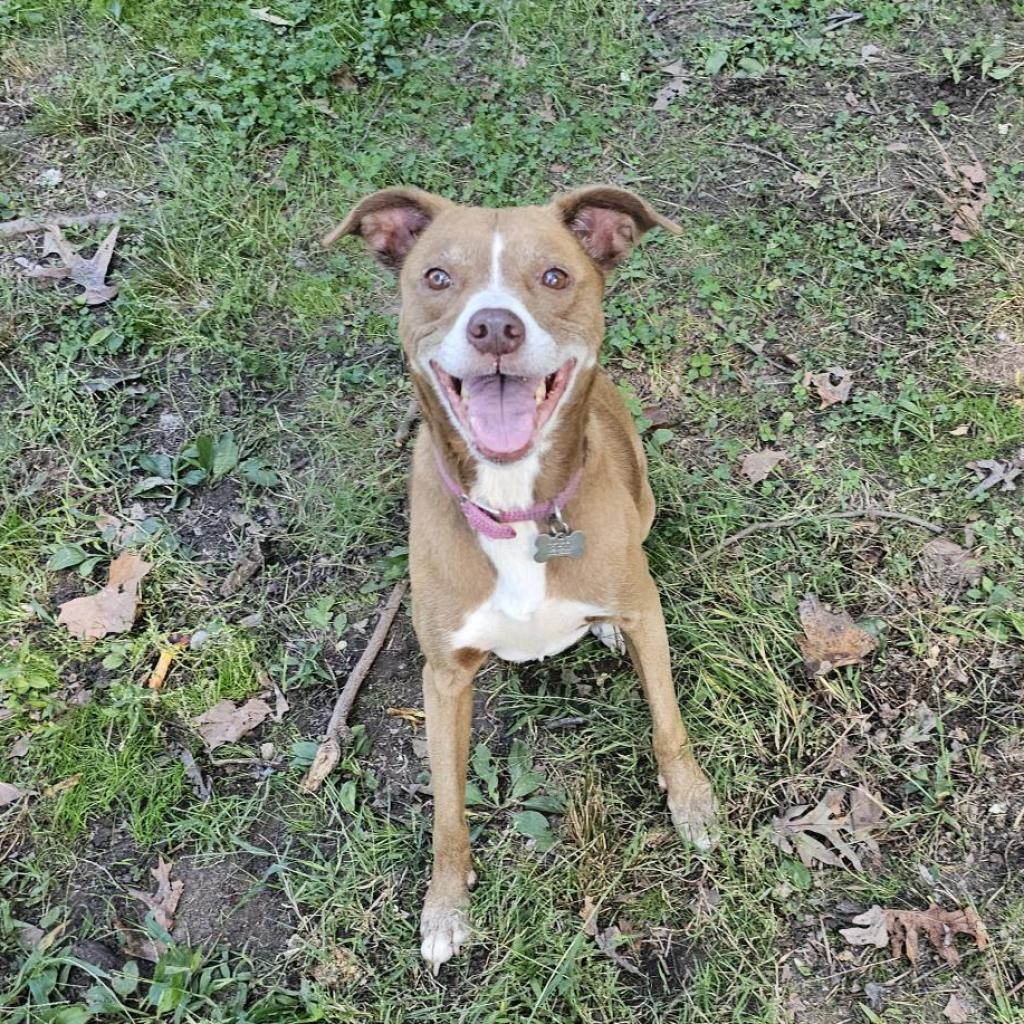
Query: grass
805, 161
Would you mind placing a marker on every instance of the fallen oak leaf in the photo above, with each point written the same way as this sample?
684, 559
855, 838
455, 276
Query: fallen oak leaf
227, 723
112, 609
902, 928
91, 274
833, 385
820, 834
830, 641
756, 466
995, 472
163, 904
607, 939
871, 929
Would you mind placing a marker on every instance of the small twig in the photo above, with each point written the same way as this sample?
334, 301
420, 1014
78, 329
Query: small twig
26, 225
404, 431
751, 148
337, 733
778, 524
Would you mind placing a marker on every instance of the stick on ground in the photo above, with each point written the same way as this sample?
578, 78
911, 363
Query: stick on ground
26, 225
337, 733
779, 524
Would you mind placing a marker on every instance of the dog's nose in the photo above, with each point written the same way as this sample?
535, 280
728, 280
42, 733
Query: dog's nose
496, 332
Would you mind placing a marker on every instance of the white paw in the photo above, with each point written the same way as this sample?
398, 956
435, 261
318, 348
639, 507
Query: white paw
443, 932
610, 635
694, 813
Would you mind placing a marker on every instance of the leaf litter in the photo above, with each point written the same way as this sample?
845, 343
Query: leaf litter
833, 385
112, 609
91, 274
830, 641
163, 904
901, 931
826, 834
994, 471
946, 567
756, 466
225, 722
608, 939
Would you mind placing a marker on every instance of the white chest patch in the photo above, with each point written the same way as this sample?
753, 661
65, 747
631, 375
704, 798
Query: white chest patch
519, 622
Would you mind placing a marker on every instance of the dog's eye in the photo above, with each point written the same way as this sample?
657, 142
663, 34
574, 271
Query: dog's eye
554, 277
437, 279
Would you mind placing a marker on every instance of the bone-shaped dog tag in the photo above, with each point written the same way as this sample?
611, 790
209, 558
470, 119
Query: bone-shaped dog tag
559, 545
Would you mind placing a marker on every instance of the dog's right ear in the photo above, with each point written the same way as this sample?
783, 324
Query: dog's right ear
390, 221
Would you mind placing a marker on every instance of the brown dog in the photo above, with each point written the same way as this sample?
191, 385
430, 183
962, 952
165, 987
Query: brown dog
529, 494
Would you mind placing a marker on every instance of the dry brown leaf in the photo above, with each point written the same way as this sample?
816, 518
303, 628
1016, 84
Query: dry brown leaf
757, 465
226, 723
163, 903
871, 929
9, 793
960, 431
833, 385
607, 939
91, 274
830, 641
112, 609
947, 567
902, 928
63, 786
824, 834
968, 208
956, 1012
992, 472
413, 717
20, 746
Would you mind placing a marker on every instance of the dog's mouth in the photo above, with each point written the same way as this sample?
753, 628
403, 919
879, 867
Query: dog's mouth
502, 413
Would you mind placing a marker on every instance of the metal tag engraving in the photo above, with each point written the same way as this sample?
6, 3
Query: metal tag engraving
559, 541
567, 545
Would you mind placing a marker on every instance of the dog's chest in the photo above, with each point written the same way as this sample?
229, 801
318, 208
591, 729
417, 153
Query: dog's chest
519, 621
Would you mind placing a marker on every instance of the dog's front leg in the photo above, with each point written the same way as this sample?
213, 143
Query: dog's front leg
448, 704
690, 798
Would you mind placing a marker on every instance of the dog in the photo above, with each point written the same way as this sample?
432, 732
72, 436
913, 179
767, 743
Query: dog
529, 498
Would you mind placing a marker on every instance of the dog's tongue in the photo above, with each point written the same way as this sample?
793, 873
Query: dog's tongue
502, 411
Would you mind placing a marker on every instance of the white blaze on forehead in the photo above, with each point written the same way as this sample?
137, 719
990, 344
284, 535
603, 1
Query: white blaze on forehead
496, 246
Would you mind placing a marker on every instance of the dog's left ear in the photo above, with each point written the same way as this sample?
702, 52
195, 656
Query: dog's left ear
608, 221
390, 221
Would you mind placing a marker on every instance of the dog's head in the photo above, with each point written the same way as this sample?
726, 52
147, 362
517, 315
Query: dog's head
501, 309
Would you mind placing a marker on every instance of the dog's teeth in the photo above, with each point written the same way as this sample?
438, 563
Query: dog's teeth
541, 393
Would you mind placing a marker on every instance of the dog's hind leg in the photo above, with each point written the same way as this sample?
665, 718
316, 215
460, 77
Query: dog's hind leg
690, 799
448, 704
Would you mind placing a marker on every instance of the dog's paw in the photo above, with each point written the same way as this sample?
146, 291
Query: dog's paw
694, 811
443, 931
611, 636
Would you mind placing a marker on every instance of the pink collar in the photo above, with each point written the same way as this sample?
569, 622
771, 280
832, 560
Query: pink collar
492, 522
